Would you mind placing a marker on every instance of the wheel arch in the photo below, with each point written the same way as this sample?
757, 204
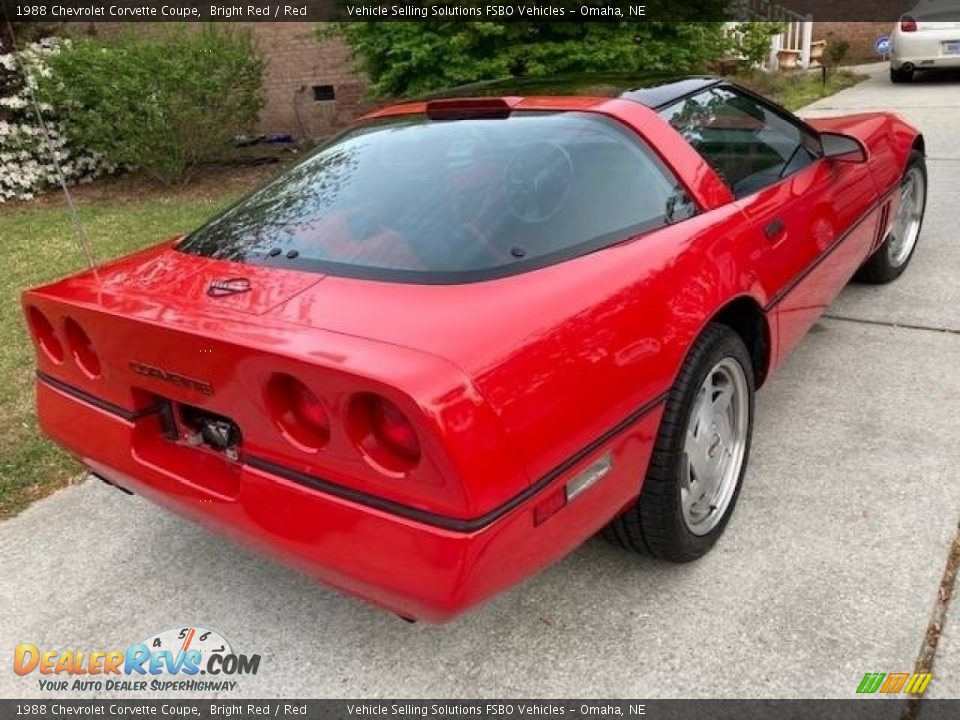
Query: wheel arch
746, 317
920, 144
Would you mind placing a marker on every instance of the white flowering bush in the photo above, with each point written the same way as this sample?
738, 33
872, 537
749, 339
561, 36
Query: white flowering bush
28, 161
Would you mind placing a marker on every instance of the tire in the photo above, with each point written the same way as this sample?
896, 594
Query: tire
901, 76
657, 524
895, 252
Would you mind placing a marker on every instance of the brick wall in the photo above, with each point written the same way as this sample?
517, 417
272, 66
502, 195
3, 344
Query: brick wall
860, 35
295, 62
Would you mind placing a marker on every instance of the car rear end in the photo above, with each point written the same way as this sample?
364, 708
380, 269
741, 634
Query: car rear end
925, 39
374, 468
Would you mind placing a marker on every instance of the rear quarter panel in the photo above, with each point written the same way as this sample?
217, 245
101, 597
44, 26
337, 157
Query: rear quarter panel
620, 340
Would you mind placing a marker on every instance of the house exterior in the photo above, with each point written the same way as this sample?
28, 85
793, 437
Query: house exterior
310, 86
860, 35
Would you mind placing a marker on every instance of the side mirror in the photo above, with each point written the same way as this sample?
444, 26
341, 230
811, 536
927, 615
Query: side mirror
842, 147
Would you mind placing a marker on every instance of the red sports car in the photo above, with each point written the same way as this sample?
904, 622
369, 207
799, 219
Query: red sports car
464, 336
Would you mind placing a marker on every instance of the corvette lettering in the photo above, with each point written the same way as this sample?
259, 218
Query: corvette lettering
200, 386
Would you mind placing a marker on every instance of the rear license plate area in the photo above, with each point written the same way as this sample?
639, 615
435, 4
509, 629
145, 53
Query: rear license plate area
204, 430
951, 47
200, 448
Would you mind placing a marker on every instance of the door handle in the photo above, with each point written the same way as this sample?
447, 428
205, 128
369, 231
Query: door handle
774, 228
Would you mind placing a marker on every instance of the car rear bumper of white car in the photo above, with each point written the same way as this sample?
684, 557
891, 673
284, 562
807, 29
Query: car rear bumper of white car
929, 49
920, 62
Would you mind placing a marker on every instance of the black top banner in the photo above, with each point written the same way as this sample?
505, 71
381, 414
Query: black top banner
528, 11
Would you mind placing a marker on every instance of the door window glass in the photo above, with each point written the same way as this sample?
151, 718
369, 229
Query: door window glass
749, 144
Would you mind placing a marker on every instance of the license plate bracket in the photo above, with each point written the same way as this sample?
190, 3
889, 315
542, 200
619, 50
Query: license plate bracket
201, 429
210, 430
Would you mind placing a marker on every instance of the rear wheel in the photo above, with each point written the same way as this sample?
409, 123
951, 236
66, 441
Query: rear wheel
894, 254
699, 457
901, 76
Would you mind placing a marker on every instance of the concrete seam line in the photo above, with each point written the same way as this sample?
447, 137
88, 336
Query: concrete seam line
931, 638
900, 326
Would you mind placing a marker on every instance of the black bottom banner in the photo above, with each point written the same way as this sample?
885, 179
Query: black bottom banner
854, 709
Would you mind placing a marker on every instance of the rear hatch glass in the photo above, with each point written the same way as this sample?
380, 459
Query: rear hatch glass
418, 200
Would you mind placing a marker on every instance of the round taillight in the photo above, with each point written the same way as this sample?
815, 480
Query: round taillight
45, 335
299, 415
394, 431
81, 348
383, 433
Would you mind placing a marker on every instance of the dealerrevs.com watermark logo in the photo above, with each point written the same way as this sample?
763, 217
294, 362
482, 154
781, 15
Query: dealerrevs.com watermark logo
178, 659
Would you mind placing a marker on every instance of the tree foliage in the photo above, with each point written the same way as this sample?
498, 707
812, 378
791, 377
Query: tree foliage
163, 104
752, 40
413, 58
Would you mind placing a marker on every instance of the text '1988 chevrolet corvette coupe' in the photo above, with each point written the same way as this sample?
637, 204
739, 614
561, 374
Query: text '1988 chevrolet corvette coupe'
470, 332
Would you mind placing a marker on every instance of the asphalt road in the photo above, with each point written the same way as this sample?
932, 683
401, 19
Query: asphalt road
829, 568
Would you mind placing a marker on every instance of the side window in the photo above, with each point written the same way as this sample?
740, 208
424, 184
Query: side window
748, 144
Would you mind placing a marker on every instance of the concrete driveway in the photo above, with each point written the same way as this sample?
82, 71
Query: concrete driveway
829, 569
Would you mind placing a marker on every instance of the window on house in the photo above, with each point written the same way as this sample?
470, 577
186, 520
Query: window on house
324, 93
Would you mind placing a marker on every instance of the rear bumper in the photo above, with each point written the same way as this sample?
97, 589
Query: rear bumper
924, 50
925, 62
409, 567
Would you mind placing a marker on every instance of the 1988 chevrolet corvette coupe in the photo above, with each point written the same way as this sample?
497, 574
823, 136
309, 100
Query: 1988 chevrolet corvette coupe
467, 334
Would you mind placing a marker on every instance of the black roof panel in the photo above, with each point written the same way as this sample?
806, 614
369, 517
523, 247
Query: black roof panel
665, 93
651, 89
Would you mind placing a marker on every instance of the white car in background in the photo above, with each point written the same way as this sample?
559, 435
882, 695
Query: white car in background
926, 38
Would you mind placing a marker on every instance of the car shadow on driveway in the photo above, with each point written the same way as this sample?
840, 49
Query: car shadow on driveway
933, 77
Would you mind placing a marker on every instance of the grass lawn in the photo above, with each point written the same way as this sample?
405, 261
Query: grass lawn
794, 90
38, 243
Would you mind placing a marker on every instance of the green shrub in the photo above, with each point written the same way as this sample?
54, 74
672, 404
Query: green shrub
413, 58
162, 104
837, 51
751, 41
